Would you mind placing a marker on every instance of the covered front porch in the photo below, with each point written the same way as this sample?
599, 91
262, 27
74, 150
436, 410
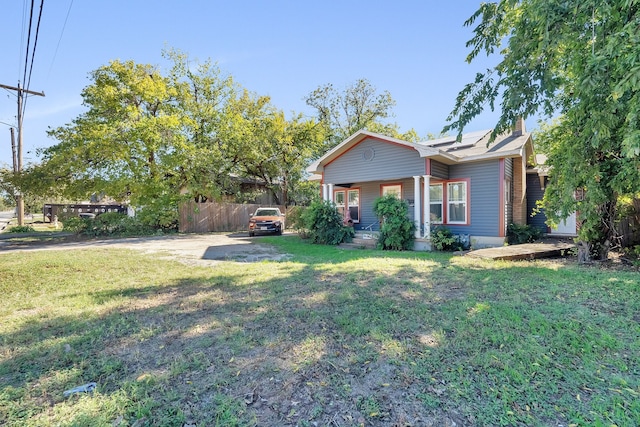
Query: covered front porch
355, 202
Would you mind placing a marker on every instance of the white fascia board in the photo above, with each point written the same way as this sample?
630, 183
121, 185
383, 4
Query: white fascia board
315, 167
428, 151
431, 152
488, 156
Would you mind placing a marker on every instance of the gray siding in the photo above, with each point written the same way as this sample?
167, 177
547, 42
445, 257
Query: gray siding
372, 160
535, 193
484, 189
508, 168
439, 170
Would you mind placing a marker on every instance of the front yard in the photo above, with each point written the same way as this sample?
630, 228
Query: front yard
327, 338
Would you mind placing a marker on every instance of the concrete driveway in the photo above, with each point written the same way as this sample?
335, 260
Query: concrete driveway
191, 249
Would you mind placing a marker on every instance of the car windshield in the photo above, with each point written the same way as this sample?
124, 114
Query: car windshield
266, 212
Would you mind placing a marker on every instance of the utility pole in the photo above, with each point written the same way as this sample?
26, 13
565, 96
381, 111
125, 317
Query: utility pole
14, 156
20, 91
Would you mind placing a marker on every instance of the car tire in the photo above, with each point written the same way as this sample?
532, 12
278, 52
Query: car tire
279, 232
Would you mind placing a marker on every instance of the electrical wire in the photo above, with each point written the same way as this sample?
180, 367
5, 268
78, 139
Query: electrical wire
35, 44
33, 53
55, 54
26, 57
22, 32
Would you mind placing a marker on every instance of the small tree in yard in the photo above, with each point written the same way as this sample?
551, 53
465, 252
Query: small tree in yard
324, 224
397, 231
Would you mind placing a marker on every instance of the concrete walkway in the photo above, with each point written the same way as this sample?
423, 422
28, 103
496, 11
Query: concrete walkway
546, 249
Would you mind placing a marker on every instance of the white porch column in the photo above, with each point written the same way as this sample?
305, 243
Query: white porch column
324, 191
330, 195
416, 205
427, 207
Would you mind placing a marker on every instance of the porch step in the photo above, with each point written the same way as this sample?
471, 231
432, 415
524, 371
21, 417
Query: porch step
367, 235
360, 243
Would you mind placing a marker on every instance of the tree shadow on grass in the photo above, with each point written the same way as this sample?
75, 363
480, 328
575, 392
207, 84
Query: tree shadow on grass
323, 338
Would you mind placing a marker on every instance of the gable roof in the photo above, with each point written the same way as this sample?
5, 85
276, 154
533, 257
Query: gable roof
472, 147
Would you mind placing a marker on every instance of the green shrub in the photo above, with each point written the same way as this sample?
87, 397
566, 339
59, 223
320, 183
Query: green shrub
75, 224
22, 229
158, 215
517, 234
324, 225
443, 239
397, 231
109, 224
295, 218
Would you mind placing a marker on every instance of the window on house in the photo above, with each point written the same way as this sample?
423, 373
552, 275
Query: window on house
354, 205
457, 202
435, 200
338, 199
395, 189
508, 191
348, 200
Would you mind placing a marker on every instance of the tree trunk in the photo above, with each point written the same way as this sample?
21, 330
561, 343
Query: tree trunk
584, 252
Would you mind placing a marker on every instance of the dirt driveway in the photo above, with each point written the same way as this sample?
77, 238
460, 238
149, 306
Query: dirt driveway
191, 249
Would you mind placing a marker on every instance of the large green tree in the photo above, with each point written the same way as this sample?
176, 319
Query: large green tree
279, 150
578, 61
130, 144
358, 106
154, 139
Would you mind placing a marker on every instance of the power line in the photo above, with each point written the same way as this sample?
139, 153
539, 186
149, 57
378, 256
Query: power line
21, 92
55, 54
33, 54
22, 33
35, 44
26, 57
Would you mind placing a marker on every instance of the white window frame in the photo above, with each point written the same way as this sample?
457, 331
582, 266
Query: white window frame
508, 190
462, 202
346, 203
355, 204
340, 205
437, 202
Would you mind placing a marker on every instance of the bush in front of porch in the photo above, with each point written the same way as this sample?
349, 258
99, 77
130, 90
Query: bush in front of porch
397, 231
324, 224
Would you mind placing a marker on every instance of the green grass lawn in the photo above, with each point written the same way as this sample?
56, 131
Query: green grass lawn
328, 338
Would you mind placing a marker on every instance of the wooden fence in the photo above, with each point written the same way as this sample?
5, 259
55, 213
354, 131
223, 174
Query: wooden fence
629, 231
210, 216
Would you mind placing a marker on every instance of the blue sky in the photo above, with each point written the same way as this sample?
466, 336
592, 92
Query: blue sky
415, 49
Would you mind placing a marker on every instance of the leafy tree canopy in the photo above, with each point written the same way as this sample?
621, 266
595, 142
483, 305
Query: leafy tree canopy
579, 61
153, 139
358, 107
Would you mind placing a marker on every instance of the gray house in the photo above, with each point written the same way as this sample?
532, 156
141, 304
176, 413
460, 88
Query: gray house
467, 186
